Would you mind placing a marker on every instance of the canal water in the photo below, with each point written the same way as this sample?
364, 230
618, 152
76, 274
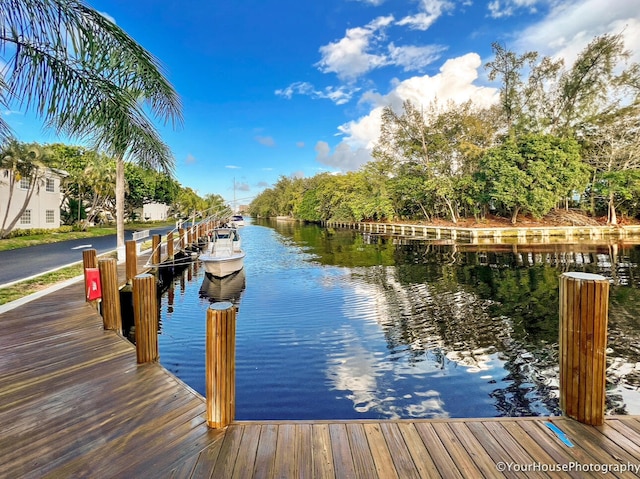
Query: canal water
337, 324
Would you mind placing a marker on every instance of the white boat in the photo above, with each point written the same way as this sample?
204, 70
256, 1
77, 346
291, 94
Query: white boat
237, 221
223, 255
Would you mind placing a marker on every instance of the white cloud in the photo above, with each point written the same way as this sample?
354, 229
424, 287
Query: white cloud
431, 10
266, 140
350, 57
564, 32
570, 26
232, 167
375, 3
507, 8
339, 95
455, 82
412, 58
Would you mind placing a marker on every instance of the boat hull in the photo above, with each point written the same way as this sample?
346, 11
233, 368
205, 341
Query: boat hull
220, 267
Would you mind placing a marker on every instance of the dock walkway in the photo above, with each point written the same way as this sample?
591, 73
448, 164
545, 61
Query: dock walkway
74, 403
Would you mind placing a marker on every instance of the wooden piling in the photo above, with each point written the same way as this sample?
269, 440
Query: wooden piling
145, 317
584, 302
156, 256
111, 312
170, 244
89, 260
220, 364
131, 266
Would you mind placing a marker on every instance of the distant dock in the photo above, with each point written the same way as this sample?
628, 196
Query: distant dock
501, 235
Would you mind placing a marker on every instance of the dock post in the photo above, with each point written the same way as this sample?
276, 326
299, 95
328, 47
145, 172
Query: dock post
145, 317
156, 257
182, 244
584, 305
89, 260
220, 364
170, 244
131, 266
111, 313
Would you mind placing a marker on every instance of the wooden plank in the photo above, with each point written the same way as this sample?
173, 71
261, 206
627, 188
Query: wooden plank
515, 451
398, 449
360, 451
341, 450
419, 453
266, 452
205, 461
285, 460
557, 451
493, 448
603, 450
631, 422
380, 452
323, 467
304, 451
464, 462
185, 469
480, 457
626, 436
245, 462
226, 458
446, 466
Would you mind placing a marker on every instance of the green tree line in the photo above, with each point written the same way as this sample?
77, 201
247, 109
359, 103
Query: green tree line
560, 136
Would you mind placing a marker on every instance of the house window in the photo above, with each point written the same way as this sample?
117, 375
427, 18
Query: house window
24, 184
50, 216
25, 219
51, 185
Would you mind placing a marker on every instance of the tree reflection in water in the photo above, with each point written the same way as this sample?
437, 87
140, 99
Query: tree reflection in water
473, 304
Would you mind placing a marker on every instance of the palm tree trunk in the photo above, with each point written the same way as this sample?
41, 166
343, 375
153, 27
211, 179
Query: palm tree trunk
12, 182
612, 219
120, 187
514, 214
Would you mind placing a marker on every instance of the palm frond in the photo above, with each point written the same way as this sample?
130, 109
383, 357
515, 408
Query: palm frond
57, 41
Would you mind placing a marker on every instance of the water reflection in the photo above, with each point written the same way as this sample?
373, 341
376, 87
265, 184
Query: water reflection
334, 324
475, 305
229, 288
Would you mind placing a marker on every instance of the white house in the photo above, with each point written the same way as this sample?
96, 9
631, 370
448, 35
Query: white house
153, 212
43, 210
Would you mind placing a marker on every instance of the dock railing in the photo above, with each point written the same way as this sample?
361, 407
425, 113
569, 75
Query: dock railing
185, 236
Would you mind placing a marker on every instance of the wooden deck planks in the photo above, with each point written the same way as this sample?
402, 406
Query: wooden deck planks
74, 403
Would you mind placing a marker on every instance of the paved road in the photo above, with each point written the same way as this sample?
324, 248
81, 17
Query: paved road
26, 262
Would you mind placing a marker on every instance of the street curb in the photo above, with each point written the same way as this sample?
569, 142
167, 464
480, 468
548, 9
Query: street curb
39, 294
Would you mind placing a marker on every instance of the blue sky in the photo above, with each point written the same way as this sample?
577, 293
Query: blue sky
275, 88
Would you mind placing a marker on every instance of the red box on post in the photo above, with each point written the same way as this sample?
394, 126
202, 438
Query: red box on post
92, 280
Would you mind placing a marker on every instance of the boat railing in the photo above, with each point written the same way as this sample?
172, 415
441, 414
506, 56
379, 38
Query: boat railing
185, 236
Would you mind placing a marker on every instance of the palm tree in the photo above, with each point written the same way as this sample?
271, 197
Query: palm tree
85, 77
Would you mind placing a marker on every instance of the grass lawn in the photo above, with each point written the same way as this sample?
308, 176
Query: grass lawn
25, 288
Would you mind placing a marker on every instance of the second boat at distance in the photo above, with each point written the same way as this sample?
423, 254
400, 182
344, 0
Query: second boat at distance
223, 254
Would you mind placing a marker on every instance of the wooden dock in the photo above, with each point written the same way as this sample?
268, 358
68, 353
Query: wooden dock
497, 236
74, 403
